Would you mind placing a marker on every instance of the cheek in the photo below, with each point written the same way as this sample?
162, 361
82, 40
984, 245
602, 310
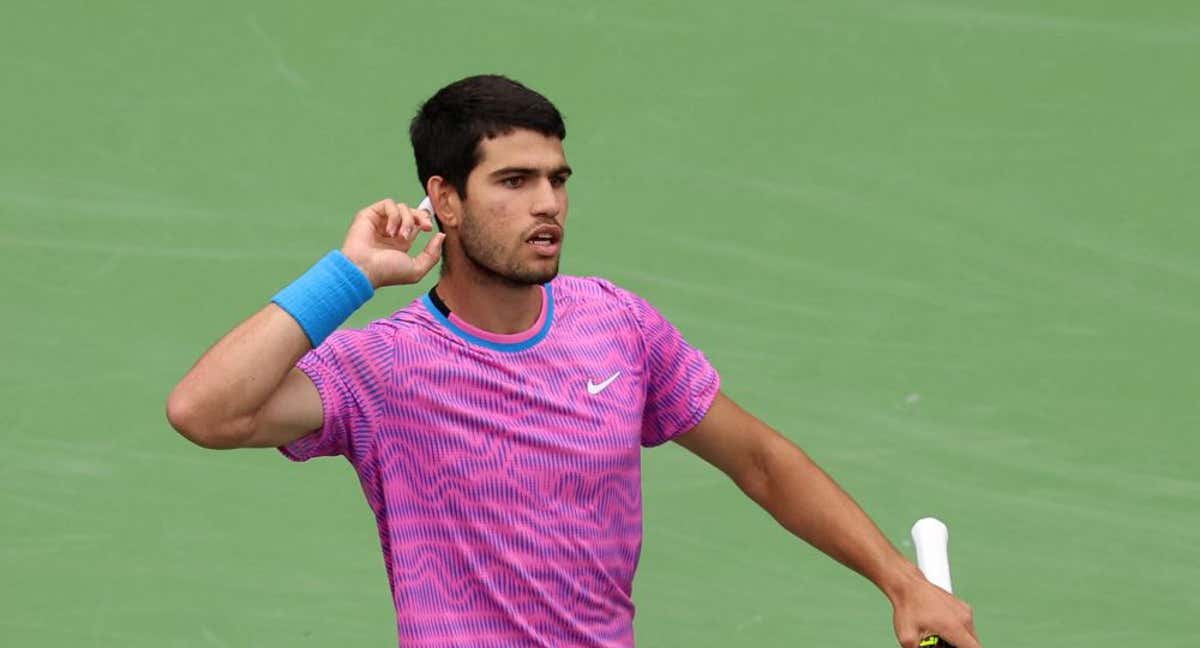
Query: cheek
497, 224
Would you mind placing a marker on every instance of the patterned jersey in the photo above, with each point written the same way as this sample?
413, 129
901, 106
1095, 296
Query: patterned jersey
504, 470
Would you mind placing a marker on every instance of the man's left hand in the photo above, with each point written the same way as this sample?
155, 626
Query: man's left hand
923, 609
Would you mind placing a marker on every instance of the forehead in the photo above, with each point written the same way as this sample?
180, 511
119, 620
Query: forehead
521, 148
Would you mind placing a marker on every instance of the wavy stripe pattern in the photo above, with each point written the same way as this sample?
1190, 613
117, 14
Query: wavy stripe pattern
508, 497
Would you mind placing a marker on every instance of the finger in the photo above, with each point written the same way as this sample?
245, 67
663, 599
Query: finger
424, 262
424, 220
960, 638
375, 214
408, 223
393, 216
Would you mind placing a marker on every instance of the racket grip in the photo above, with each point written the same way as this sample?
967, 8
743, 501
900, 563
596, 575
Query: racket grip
934, 642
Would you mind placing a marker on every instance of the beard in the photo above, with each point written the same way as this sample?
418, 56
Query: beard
492, 259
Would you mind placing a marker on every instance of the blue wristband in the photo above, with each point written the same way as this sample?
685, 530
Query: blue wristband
325, 296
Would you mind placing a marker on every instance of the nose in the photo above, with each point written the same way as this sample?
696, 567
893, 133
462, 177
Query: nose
545, 200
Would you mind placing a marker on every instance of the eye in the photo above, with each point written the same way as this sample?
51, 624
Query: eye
514, 182
558, 181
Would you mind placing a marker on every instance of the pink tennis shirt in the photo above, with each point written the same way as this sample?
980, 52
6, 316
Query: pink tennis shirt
504, 471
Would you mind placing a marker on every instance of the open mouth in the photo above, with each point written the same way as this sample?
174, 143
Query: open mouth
543, 239
546, 239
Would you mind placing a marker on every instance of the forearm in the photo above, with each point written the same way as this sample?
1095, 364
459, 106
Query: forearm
234, 379
807, 502
811, 505
240, 393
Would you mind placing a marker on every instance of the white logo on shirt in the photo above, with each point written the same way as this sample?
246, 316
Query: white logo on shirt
594, 389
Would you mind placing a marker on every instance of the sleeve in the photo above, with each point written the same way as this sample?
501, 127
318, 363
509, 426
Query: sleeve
347, 379
680, 381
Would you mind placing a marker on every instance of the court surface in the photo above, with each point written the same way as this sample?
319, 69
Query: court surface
950, 248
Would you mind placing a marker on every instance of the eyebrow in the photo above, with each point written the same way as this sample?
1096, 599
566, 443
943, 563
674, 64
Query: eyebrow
529, 171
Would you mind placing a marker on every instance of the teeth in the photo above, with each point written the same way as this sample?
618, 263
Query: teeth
542, 239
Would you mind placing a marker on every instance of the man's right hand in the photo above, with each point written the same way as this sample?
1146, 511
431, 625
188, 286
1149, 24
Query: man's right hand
380, 238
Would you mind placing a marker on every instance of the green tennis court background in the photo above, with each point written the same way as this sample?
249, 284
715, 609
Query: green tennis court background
950, 248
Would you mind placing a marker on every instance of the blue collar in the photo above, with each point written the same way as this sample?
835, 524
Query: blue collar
509, 347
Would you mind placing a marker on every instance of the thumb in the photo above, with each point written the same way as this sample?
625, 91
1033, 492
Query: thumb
908, 634
424, 262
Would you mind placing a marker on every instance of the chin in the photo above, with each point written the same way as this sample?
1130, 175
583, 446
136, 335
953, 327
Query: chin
543, 277
534, 276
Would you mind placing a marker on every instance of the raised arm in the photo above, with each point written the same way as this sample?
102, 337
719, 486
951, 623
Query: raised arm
782, 479
245, 391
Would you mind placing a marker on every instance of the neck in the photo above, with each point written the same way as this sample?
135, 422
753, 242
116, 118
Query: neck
488, 302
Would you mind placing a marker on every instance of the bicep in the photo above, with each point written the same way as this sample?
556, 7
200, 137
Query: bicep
733, 440
293, 411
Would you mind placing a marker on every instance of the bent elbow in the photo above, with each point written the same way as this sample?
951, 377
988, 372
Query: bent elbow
188, 420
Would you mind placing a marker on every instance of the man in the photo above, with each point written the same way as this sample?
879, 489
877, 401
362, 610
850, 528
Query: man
496, 423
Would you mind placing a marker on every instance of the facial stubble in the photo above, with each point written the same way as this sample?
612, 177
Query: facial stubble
489, 256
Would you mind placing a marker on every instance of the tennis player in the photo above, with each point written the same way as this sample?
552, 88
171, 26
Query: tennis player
496, 422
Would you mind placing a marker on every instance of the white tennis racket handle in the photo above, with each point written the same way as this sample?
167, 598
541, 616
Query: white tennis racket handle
930, 536
426, 205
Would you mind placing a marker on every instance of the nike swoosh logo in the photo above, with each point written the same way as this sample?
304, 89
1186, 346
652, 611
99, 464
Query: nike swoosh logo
594, 389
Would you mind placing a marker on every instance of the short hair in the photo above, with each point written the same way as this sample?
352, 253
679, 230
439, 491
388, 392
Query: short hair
448, 128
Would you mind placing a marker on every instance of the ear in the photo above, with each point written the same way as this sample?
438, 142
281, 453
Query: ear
446, 203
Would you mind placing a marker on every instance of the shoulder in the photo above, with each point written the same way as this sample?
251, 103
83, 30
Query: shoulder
597, 297
380, 338
572, 290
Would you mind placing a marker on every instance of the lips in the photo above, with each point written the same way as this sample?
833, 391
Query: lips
546, 239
